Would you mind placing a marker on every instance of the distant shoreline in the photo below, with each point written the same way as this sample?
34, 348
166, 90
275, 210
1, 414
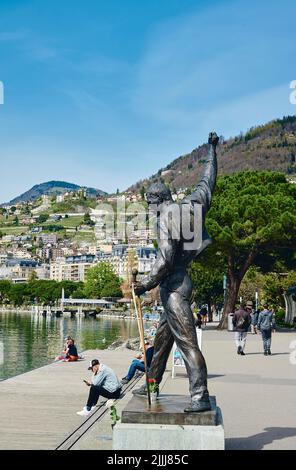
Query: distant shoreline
116, 314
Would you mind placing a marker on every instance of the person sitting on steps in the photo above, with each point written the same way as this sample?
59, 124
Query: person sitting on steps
138, 363
104, 383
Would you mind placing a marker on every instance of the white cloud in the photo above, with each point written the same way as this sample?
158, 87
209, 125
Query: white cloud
30, 45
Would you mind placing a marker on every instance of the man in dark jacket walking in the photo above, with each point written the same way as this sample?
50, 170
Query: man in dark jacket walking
266, 324
241, 321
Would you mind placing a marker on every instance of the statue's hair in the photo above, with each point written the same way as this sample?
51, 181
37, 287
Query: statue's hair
160, 190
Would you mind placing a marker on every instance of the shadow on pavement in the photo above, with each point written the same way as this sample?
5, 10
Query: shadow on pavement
215, 376
259, 441
272, 354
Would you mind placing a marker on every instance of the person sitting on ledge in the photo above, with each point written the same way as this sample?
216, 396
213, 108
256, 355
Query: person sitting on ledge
62, 357
70, 353
104, 382
138, 363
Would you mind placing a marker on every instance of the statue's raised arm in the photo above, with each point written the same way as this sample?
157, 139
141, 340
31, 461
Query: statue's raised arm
205, 188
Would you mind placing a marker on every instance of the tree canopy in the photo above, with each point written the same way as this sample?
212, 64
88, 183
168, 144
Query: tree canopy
101, 281
253, 214
207, 284
41, 291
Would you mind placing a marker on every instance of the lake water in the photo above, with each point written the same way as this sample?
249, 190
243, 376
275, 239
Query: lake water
28, 341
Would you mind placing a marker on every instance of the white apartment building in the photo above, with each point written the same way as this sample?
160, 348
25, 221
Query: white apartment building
75, 268
18, 270
120, 262
43, 272
3, 258
22, 253
62, 270
60, 198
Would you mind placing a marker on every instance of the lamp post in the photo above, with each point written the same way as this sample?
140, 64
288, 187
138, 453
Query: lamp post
224, 289
256, 300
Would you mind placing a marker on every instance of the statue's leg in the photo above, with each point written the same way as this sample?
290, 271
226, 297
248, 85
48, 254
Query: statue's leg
181, 322
163, 343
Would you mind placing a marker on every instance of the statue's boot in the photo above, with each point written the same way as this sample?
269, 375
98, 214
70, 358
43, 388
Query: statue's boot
142, 391
197, 406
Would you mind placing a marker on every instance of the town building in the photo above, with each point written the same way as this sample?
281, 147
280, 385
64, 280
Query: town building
71, 268
47, 238
18, 270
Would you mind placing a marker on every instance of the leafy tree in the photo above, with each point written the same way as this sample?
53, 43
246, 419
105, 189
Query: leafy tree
43, 291
252, 282
18, 294
26, 210
87, 220
253, 213
5, 287
275, 286
69, 287
207, 284
112, 288
32, 277
207, 277
42, 218
54, 228
102, 282
142, 192
79, 293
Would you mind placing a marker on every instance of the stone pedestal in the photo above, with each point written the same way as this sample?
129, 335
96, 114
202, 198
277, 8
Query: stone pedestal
165, 426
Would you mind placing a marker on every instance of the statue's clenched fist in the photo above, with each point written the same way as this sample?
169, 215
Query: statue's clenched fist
213, 139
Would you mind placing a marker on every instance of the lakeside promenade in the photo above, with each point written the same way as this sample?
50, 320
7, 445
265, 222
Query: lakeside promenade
256, 394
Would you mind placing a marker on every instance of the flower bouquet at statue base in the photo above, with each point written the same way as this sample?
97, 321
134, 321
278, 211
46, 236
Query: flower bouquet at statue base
153, 389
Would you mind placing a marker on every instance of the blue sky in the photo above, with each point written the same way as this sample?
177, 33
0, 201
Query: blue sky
103, 93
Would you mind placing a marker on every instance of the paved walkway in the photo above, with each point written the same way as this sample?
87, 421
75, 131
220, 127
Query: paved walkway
257, 395
38, 409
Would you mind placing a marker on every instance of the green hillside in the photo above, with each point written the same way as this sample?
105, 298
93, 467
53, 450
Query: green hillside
268, 147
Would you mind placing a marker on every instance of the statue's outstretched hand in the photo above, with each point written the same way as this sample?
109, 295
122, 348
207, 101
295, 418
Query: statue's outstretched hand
213, 139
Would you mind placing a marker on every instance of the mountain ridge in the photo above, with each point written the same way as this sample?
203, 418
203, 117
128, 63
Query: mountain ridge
271, 146
51, 188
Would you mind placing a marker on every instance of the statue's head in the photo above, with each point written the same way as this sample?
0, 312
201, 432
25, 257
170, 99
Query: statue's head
158, 193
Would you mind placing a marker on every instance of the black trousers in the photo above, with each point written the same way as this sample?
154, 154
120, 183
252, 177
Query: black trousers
266, 338
177, 324
95, 392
